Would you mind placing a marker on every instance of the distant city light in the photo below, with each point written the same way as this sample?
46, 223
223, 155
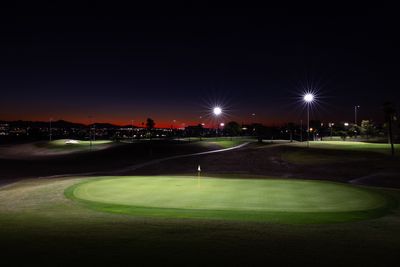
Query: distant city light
309, 97
217, 111
346, 124
222, 124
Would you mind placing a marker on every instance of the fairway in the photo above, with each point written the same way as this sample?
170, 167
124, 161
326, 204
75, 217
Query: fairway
238, 199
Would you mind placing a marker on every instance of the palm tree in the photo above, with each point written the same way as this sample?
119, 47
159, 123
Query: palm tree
150, 125
389, 111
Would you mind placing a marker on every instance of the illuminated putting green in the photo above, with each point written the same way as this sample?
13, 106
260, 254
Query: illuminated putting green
238, 199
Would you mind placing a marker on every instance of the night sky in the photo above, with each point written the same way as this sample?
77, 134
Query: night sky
118, 64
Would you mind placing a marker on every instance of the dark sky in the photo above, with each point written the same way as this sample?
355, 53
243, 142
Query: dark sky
118, 63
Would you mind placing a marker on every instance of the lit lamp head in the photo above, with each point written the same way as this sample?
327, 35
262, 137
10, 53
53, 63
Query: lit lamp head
308, 98
217, 111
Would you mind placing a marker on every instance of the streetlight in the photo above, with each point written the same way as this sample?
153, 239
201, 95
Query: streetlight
308, 98
331, 124
132, 131
90, 131
252, 120
50, 129
355, 114
217, 111
301, 131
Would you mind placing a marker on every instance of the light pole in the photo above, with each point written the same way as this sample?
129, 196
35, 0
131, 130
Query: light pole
355, 114
217, 111
90, 131
301, 131
331, 124
308, 98
132, 130
94, 132
50, 129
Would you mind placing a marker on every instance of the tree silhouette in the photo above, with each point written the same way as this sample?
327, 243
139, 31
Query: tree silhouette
368, 128
150, 123
390, 112
232, 128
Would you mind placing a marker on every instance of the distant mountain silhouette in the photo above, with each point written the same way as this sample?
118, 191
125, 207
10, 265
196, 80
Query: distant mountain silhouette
60, 124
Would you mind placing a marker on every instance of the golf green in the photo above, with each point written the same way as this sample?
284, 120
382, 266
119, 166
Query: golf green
276, 200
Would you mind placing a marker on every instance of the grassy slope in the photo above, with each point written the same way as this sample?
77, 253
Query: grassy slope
39, 225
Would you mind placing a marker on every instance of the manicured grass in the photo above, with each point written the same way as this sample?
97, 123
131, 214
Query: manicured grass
287, 201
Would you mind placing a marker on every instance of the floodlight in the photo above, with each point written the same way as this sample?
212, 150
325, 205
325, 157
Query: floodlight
217, 111
309, 97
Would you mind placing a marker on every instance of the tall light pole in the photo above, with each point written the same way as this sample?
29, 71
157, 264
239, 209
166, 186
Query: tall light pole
132, 130
331, 124
301, 131
355, 114
253, 115
308, 98
50, 129
217, 111
90, 131
94, 132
